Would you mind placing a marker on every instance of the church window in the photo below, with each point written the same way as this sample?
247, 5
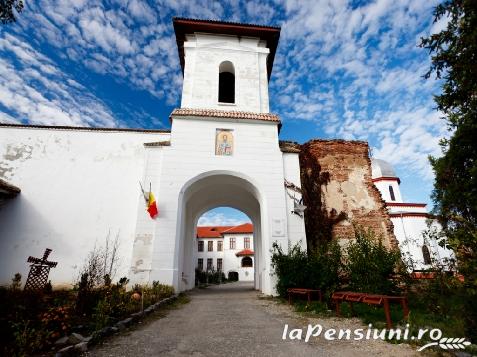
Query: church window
391, 193
219, 264
226, 82
200, 247
219, 246
247, 262
200, 264
209, 264
210, 246
426, 254
246, 243
232, 243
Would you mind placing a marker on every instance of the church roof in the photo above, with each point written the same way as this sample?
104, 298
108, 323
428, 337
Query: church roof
381, 168
183, 26
215, 113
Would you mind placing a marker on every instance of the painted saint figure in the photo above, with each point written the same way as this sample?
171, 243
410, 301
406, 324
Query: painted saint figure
224, 142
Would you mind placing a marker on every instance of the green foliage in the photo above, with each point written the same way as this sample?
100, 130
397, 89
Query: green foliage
370, 266
209, 277
297, 268
8, 9
16, 282
454, 53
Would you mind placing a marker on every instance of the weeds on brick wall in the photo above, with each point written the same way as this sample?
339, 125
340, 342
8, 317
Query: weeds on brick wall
319, 222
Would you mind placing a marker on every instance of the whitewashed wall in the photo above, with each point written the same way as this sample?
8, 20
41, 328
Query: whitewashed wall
203, 55
77, 185
192, 153
234, 263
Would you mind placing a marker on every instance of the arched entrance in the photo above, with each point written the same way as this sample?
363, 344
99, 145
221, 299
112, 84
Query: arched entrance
207, 191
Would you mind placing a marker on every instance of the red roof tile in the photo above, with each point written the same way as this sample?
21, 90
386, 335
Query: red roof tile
211, 231
218, 231
216, 113
244, 252
243, 228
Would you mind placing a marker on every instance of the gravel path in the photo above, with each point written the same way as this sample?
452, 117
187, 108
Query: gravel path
231, 320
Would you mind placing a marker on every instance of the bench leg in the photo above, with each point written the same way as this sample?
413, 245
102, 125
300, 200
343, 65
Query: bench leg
351, 308
289, 298
387, 312
309, 298
338, 308
405, 308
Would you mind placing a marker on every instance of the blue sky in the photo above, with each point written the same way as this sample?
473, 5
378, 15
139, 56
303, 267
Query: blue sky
343, 69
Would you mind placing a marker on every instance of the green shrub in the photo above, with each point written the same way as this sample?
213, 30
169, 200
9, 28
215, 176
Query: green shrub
299, 269
370, 266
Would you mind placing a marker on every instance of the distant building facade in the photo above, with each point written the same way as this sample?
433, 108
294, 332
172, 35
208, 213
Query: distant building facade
410, 220
228, 249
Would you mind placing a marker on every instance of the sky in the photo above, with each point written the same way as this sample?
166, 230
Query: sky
343, 69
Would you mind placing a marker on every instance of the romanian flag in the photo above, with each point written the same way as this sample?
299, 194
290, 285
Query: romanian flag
151, 206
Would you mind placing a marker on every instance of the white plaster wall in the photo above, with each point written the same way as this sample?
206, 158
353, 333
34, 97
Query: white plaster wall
206, 254
192, 153
409, 232
203, 55
296, 224
76, 186
383, 187
234, 263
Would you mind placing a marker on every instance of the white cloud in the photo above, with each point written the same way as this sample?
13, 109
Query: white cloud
220, 219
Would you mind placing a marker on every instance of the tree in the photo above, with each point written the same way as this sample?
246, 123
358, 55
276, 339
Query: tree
454, 61
8, 8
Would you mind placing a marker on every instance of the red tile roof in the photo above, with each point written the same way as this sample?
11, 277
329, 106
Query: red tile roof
216, 113
243, 228
244, 252
218, 231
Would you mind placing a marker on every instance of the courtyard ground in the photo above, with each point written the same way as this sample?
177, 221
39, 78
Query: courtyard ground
233, 320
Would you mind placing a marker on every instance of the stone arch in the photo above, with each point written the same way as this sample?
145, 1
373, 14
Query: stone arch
204, 192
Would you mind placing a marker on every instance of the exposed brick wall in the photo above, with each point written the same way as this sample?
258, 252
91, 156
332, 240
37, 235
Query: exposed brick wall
350, 188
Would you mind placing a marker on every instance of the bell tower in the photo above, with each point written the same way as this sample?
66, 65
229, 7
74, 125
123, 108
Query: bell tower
226, 66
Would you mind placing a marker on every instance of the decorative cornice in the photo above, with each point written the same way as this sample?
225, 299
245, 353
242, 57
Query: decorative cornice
82, 128
215, 113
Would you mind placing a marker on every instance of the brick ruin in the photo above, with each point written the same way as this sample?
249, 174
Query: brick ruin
339, 192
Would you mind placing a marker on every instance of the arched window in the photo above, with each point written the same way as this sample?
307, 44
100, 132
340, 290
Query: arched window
247, 262
226, 82
391, 193
426, 254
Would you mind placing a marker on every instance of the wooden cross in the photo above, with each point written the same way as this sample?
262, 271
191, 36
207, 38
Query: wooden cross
39, 271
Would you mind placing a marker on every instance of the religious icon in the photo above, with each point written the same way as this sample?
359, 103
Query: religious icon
224, 142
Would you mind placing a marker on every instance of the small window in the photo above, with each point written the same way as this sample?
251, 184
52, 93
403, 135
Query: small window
226, 82
247, 262
391, 193
200, 264
209, 264
232, 243
246, 243
220, 246
426, 254
200, 247
210, 246
219, 264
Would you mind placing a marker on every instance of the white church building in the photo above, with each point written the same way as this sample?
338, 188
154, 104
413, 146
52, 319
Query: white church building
228, 249
410, 220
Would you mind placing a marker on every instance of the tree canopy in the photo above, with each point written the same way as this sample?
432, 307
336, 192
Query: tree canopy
454, 60
8, 9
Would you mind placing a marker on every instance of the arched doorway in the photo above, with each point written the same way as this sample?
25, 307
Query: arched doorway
207, 191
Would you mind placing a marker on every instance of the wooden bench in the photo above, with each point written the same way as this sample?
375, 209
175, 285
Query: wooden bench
370, 299
301, 291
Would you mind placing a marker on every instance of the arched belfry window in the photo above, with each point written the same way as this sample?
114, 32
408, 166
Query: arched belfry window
226, 82
426, 254
391, 193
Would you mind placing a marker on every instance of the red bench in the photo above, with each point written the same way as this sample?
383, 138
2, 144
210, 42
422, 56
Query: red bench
370, 299
301, 291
